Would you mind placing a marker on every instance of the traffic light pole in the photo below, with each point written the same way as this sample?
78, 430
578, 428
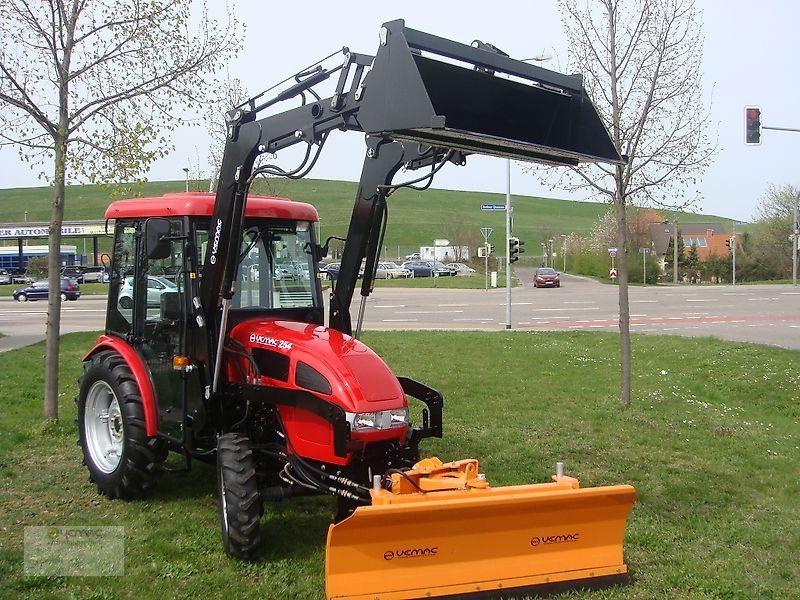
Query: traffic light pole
508, 237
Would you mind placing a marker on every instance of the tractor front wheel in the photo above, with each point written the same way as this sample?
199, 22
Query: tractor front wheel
240, 504
121, 458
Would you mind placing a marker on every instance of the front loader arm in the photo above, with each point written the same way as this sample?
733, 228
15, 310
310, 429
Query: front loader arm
414, 108
247, 139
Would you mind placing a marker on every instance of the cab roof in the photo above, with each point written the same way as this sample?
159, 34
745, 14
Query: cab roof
201, 204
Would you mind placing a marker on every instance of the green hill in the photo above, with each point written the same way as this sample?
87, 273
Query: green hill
415, 218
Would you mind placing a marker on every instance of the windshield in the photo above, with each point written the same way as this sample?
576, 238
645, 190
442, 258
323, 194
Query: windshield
546, 272
276, 268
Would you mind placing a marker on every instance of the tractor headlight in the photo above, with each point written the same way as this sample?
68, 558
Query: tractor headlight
383, 419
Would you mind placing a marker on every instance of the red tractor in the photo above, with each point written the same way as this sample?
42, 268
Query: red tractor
216, 344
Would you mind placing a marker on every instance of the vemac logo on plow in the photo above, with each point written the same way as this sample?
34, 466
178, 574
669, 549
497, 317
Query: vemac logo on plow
555, 539
410, 553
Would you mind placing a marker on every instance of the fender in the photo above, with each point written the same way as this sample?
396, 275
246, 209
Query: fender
140, 372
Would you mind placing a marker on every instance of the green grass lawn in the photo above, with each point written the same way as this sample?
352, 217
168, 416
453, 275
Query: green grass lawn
711, 442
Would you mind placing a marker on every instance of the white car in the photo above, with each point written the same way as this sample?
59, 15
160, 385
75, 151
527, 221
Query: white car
390, 270
461, 268
155, 287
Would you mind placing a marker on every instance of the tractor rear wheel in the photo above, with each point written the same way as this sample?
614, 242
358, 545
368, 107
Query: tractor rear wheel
121, 458
240, 504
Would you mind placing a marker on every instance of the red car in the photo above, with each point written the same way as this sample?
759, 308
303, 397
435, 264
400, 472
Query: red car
546, 277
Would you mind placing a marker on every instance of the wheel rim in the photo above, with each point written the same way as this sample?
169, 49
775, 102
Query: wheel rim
64, 297
104, 427
22, 298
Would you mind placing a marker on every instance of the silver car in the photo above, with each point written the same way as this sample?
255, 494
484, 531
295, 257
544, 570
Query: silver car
155, 287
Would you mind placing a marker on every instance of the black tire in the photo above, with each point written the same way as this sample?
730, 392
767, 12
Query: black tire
125, 302
130, 467
22, 298
240, 505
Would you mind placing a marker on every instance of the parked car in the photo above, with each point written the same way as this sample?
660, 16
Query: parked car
39, 290
414, 256
155, 287
427, 268
460, 268
85, 274
5, 276
546, 277
19, 275
441, 269
390, 270
329, 271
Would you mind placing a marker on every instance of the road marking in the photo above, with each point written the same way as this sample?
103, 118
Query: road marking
451, 305
398, 321
643, 301
554, 309
429, 312
389, 306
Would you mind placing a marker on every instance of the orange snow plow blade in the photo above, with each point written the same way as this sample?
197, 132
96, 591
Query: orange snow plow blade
442, 530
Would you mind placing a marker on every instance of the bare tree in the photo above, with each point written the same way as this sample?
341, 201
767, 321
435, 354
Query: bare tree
641, 61
90, 87
230, 95
775, 225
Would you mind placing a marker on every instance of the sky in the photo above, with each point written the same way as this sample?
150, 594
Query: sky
750, 59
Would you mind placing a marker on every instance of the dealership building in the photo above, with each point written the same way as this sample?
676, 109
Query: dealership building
20, 242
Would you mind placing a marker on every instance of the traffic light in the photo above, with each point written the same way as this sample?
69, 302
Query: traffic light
728, 242
752, 125
490, 248
515, 249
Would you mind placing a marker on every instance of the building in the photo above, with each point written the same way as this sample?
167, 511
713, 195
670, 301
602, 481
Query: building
708, 238
10, 257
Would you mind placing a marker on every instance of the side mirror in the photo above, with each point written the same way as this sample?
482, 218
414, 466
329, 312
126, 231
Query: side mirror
156, 238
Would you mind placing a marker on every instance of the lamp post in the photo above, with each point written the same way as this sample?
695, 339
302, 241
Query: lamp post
564, 251
186, 171
550, 252
795, 235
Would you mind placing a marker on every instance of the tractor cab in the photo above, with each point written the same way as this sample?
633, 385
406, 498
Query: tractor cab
159, 246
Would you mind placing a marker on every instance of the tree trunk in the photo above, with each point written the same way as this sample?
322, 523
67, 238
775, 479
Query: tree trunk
53, 330
624, 306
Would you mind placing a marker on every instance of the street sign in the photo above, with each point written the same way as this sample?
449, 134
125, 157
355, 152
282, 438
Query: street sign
493, 206
612, 273
486, 231
612, 252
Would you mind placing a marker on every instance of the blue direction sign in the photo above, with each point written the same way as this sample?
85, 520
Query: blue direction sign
493, 206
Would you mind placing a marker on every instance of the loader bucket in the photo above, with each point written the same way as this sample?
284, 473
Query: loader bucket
438, 92
492, 541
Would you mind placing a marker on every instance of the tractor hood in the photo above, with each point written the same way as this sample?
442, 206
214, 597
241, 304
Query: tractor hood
324, 361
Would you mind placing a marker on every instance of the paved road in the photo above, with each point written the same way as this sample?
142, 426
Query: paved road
765, 314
